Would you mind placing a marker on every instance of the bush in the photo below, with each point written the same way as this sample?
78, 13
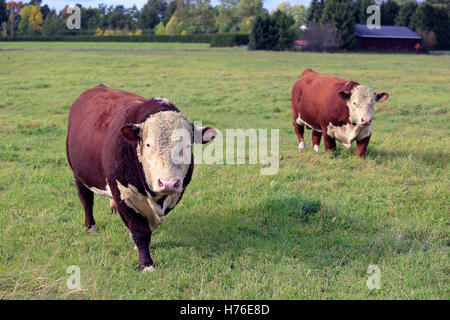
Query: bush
194, 38
229, 39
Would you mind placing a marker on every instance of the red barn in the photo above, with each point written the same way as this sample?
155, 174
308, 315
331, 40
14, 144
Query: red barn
387, 38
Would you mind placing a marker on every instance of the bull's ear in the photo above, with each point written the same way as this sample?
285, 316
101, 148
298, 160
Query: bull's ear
207, 133
344, 94
382, 96
131, 131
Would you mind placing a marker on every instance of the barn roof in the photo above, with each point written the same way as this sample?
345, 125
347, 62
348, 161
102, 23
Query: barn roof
396, 32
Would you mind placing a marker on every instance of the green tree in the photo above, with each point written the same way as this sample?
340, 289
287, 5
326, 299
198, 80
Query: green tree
315, 10
285, 33
340, 14
171, 8
3, 12
160, 29
263, 35
360, 14
228, 19
203, 17
389, 11
405, 13
52, 26
152, 13
247, 10
433, 18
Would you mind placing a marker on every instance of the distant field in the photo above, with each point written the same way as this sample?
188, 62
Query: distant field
308, 232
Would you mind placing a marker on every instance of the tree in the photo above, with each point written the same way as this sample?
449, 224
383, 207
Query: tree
203, 18
322, 37
171, 8
405, 13
3, 12
228, 19
45, 11
389, 11
14, 9
172, 27
247, 10
298, 13
284, 26
52, 26
263, 33
31, 21
339, 14
433, 18
272, 32
360, 14
160, 29
315, 10
152, 13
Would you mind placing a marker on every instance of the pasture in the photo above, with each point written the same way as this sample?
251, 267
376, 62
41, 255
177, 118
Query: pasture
308, 232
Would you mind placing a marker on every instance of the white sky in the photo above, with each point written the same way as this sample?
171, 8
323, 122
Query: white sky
60, 4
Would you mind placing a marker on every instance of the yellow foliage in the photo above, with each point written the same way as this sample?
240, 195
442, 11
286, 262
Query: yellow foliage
138, 32
108, 32
172, 25
184, 32
98, 32
4, 32
35, 16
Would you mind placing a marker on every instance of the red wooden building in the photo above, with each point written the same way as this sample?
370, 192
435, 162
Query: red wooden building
387, 38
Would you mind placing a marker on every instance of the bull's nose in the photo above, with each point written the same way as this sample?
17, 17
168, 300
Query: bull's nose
169, 185
366, 121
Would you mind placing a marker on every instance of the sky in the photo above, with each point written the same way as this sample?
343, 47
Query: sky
60, 4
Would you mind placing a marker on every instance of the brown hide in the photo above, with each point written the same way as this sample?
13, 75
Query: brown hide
315, 97
89, 120
100, 155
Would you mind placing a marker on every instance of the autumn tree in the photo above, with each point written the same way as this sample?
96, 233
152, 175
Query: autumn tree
14, 9
31, 21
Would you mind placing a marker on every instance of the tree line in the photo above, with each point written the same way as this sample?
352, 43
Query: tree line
330, 23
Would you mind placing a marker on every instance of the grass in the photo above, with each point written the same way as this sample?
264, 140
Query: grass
308, 232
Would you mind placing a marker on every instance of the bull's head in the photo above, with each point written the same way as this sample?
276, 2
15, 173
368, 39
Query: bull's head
164, 148
361, 103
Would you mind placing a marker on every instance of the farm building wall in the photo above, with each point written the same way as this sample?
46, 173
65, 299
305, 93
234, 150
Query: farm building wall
385, 44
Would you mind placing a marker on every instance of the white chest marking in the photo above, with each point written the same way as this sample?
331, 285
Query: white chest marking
346, 134
105, 193
146, 205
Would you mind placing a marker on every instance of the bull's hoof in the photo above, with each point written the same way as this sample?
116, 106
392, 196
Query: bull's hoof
147, 269
301, 145
92, 229
316, 148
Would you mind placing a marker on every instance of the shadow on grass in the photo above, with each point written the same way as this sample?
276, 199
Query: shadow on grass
435, 159
290, 227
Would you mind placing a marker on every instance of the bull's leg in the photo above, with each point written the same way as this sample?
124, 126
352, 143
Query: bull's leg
87, 200
112, 205
299, 130
316, 136
141, 233
330, 143
361, 147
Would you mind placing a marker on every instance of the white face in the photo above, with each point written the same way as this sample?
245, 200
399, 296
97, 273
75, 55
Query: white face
164, 173
362, 105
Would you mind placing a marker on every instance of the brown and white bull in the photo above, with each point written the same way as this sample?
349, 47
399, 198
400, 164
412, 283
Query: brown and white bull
135, 151
335, 108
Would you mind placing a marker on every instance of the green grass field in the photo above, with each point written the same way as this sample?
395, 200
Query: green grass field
308, 232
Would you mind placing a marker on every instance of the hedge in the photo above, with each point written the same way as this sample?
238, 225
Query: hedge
229, 39
195, 38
